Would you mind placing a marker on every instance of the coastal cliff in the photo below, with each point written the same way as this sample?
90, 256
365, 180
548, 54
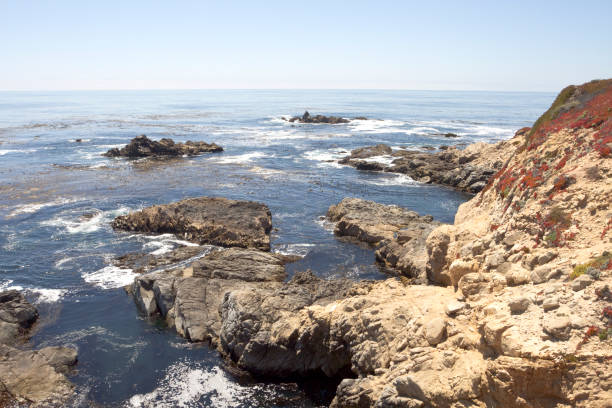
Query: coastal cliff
519, 312
510, 306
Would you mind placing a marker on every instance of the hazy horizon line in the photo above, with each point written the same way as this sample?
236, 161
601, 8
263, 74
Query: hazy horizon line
273, 89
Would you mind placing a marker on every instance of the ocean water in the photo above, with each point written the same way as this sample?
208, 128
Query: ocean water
58, 196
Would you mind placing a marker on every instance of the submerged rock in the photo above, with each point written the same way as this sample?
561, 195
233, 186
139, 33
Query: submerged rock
32, 377
142, 146
205, 220
308, 118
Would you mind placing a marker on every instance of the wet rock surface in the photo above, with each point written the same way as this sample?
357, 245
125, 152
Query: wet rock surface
467, 170
398, 233
142, 146
205, 220
31, 377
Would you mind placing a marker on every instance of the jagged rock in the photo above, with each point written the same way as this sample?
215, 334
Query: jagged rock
17, 315
308, 118
142, 146
467, 170
32, 377
205, 220
189, 297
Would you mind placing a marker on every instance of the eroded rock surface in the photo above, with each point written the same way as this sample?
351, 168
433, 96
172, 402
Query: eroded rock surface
205, 220
31, 377
142, 146
189, 297
468, 169
399, 234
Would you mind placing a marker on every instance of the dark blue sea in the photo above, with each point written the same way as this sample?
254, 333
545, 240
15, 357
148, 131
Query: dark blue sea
57, 197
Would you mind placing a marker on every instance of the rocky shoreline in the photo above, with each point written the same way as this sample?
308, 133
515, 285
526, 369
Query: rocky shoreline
32, 377
511, 305
467, 170
503, 308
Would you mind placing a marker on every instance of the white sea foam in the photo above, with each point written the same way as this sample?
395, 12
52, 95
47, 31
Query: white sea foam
185, 385
3, 152
326, 224
162, 244
392, 180
35, 207
266, 173
110, 277
81, 225
386, 160
43, 295
294, 249
241, 158
376, 126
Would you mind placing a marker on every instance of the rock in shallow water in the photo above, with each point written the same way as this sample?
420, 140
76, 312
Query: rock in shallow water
32, 377
205, 220
142, 146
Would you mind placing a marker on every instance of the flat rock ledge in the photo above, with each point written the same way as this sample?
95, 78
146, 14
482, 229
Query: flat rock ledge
31, 377
467, 170
399, 234
205, 220
142, 146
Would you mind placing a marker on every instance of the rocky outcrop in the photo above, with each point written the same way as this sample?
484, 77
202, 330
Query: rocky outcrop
398, 233
17, 315
142, 146
205, 220
308, 118
189, 298
30, 377
257, 336
467, 170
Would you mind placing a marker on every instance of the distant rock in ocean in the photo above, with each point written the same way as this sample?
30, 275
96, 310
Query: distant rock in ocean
142, 146
308, 118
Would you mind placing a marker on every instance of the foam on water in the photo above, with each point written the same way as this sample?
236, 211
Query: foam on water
110, 277
293, 249
386, 160
35, 207
42, 295
387, 179
82, 225
187, 384
241, 158
162, 244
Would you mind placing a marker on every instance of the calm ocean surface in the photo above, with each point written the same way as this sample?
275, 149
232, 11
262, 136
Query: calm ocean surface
61, 259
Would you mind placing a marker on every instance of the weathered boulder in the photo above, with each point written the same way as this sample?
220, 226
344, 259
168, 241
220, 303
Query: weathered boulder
205, 220
142, 146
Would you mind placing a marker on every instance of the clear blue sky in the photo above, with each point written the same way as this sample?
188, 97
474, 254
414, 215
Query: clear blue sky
490, 45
